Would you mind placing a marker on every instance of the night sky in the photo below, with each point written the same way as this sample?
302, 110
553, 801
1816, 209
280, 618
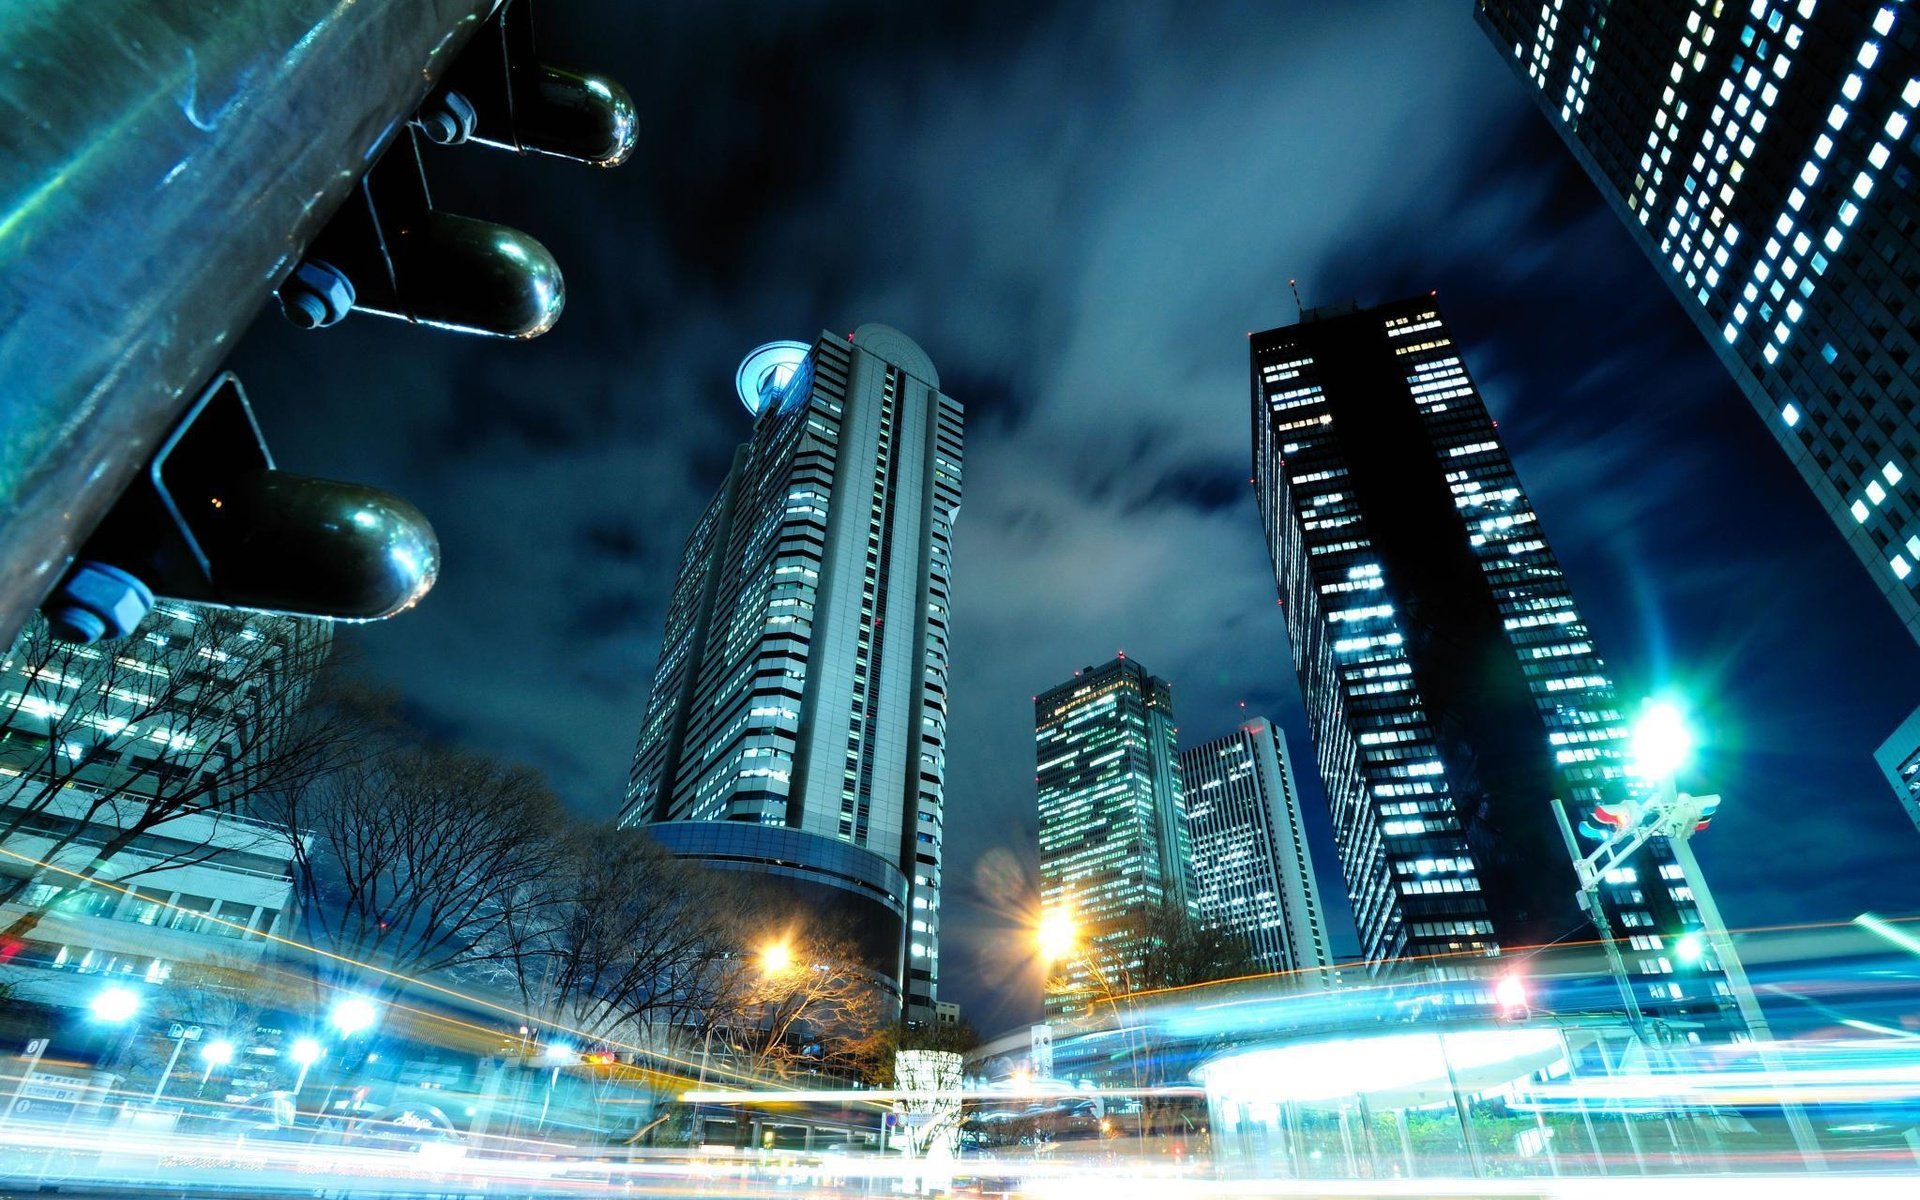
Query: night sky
1080, 211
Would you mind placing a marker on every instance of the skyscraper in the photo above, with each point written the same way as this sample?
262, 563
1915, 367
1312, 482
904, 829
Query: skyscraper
1252, 870
1452, 689
797, 723
1762, 155
1114, 845
1899, 759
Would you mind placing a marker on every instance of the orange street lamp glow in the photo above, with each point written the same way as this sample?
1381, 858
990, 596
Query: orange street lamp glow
775, 958
1056, 935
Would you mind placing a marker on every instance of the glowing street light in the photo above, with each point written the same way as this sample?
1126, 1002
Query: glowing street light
305, 1052
352, 1015
1691, 947
216, 1054
1510, 993
114, 1005
1663, 742
1056, 935
776, 958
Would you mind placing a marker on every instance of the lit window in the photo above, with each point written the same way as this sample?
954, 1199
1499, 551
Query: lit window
1882, 24
1900, 568
1892, 474
1875, 492
1860, 511
1790, 415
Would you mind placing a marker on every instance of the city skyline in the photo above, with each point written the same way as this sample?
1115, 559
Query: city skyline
1085, 282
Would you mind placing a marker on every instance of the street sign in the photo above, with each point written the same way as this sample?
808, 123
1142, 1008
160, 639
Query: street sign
179, 1032
35, 1047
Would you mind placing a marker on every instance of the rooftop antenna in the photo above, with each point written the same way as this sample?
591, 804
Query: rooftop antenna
1299, 308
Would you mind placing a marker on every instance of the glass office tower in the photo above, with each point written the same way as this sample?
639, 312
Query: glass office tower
1252, 871
1452, 688
1114, 845
1899, 759
1763, 154
797, 722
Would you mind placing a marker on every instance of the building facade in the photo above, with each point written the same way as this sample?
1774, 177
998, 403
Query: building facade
1763, 155
1899, 759
132, 775
1453, 690
1114, 841
802, 681
1252, 869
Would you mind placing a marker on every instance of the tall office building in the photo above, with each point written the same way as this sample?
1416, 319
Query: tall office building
1763, 155
1899, 759
1252, 870
797, 723
1114, 845
1452, 689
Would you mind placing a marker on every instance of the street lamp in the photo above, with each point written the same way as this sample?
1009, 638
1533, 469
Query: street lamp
1662, 742
1662, 745
1691, 947
305, 1052
352, 1015
114, 1005
1056, 935
776, 958
216, 1055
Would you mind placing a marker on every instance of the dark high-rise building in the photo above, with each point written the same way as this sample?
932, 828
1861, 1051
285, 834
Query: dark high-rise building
1452, 688
1763, 155
1114, 844
797, 723
1252, 870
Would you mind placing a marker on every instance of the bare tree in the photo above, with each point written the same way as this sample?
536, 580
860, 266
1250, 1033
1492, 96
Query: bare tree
616, 939
811, 1006
418, 860
200, 711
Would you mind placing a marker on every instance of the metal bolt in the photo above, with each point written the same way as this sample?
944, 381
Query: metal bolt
95, 602
316, 295
446, 119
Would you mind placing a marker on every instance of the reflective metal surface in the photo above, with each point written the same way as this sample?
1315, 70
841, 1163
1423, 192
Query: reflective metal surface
453, 272
294, 544
162, 167
587, 118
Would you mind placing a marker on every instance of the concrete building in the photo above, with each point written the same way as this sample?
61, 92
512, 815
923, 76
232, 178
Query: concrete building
127, 774
1114, 842
796, 727
1252, 869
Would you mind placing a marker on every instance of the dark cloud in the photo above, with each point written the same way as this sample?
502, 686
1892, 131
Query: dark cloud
1080, 211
